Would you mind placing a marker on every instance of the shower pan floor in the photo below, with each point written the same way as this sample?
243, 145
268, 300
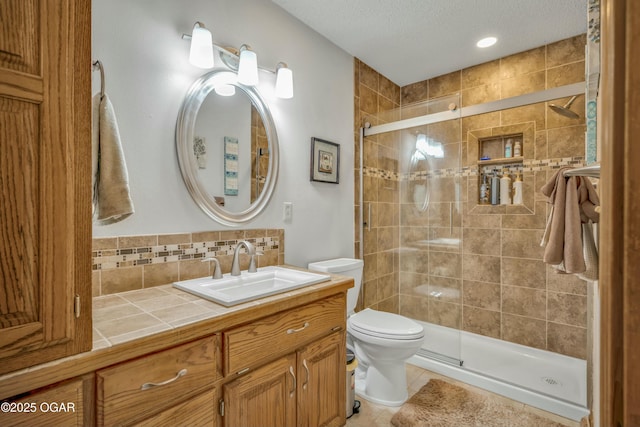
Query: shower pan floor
543, 379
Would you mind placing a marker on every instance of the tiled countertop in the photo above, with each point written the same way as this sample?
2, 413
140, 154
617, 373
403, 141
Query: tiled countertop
131, 324
126, 316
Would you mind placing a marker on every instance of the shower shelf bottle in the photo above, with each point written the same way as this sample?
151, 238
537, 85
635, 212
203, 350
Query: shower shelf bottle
517, 190
484, 191
508, 148
505, 190
517, 149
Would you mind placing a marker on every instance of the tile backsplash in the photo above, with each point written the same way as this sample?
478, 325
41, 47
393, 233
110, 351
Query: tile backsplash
126, 263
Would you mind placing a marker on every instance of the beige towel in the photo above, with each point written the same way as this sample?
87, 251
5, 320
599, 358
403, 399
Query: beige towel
574, 200
111, 198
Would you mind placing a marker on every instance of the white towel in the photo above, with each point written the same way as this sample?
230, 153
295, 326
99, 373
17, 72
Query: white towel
110, 181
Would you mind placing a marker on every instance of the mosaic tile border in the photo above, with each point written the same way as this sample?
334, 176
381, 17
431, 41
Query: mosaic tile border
525, 166
129, 257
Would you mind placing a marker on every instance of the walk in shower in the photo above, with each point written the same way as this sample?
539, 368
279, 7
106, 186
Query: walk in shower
470, 272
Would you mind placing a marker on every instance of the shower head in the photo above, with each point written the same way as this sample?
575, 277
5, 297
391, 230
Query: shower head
565, 110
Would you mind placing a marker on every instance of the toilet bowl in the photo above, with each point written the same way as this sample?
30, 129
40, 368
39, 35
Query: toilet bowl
381, 341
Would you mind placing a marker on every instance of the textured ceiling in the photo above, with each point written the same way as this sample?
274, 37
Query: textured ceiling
412, 40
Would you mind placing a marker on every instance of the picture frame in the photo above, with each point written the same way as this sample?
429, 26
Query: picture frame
325, 161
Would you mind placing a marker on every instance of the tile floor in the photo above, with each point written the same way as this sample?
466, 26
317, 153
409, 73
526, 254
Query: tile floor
374, 415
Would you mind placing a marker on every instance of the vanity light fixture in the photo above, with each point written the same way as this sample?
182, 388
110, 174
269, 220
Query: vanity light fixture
244, 61
201, 51
284, 81
248, 66
486, 42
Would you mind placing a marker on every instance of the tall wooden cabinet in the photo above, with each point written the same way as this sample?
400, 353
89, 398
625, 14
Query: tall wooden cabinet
45, 206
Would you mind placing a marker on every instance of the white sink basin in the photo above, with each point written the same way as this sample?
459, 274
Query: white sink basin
232, 290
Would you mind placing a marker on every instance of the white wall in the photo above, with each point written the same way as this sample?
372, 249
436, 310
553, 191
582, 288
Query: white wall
147, 75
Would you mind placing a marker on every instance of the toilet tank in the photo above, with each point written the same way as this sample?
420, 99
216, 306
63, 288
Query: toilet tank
346, 267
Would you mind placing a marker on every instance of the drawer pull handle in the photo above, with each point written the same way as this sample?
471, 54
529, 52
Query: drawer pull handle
293, 331
306, 368
294, 381
147, 386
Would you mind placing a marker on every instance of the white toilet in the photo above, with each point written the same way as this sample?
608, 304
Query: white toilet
382, 341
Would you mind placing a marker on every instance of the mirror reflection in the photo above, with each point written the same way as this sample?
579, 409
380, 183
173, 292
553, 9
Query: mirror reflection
227, 147
231, 148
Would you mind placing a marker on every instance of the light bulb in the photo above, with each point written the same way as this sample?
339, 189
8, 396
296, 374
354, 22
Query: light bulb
284, 81
248, 67
225, 90
487, 42
201, 51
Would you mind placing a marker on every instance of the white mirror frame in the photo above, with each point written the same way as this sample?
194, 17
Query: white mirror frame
185, 128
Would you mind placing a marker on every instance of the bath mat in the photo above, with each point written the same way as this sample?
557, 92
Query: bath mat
441, 404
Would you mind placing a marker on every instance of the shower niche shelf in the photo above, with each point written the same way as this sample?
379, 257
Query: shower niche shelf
491, 150
492, 162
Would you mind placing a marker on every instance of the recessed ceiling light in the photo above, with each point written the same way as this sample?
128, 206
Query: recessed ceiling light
486, 42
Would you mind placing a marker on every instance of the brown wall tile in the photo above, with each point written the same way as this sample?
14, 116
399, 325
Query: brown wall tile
483, 322
445, 85
482, 295
566, 51
482, 268
524, 272
137, 241
566, 141
481, 241
524, 301
567, 308
566, 339
120, 280
523, 63
160, 274
524, 330
174, 239
480, 75
522, 243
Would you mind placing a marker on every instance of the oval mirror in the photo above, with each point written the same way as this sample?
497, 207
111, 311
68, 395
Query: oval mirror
227, 147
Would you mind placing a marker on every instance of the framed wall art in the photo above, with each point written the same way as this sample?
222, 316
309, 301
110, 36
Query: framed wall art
325, 161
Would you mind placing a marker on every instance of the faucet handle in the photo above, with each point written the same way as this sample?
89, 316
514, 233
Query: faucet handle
217, 272
252, 261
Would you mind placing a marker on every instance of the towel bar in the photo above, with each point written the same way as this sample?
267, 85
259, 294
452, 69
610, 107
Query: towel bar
592, 171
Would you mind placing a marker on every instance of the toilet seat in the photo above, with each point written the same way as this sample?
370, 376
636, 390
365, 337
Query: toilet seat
385, 325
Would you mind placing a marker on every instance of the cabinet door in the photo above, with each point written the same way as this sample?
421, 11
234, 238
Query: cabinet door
265, 397
322, 382
45, 201
65, 404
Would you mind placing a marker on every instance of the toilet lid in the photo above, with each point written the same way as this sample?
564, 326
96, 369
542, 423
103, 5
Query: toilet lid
385, 325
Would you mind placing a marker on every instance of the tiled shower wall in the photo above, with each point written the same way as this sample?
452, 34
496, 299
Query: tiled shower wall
495, 283
128, 263
374, 94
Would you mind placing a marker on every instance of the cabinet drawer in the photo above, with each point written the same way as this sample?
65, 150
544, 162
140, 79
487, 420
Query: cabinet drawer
280, 333
199, 411
135, 390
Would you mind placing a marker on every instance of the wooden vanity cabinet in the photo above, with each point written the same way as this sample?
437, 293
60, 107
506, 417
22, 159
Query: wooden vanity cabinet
170, 387
305, 385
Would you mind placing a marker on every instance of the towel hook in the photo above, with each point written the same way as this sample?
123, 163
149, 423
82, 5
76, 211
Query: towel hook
98, 65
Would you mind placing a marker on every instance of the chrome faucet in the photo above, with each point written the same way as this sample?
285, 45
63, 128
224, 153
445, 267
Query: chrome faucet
235, 265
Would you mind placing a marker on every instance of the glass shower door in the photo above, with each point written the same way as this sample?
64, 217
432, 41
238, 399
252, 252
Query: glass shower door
413, 243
